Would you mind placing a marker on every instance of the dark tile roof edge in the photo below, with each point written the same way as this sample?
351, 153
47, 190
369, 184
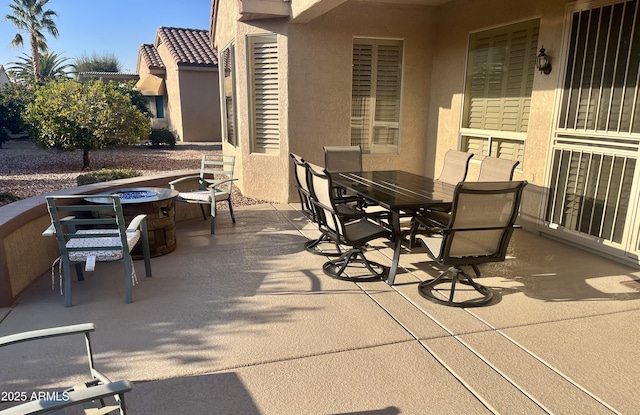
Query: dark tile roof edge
188, 47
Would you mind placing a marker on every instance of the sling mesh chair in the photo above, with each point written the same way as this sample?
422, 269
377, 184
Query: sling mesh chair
92, 231
454, 170
352, 229
300, 174
482, 222
308, 209
342, 159
495, 169
98, 395
215, 184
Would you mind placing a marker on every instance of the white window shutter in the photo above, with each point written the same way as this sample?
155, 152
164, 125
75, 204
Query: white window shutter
265, 94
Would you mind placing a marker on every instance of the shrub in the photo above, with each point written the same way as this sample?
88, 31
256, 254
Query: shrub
160, 136
6, 198
106, 175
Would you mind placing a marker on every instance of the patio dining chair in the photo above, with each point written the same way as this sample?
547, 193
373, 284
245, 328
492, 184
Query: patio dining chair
342, 159
90, 229
350, 227
455, 167
483, 217
495, 169
300, 174
98, 395
214, 184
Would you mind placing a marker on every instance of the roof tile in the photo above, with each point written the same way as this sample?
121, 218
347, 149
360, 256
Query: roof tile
189, 47
151, 57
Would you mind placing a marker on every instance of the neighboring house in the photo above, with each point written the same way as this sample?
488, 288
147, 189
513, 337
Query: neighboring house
409, 79
4, 79
179, 74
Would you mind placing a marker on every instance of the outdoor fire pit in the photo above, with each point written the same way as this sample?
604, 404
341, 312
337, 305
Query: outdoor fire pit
157, 204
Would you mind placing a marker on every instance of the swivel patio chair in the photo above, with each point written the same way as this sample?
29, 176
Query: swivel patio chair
482, 221
91, 228
215, 184
300, 174
352, 228
98, 395
495, 169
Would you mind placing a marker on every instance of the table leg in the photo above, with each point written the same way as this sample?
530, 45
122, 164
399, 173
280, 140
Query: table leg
397, 233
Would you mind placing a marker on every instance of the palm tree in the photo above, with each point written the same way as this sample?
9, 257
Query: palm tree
29, 16
52, 66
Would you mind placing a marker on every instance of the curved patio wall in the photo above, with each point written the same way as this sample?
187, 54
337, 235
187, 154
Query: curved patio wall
25, 255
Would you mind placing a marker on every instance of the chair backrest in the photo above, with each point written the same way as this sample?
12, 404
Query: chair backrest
342, 159
454, 169
321, 197
215, 167
495, 169
302, 185
98, 217
483, 215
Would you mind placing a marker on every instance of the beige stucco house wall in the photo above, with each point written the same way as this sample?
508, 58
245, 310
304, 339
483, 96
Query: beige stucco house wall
315, 40
187, 66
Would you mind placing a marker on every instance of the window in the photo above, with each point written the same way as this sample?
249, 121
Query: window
159, 107
375, 93
228, 94
264, 90
499, 81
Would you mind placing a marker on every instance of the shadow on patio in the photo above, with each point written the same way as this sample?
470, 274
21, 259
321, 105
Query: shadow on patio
245, 321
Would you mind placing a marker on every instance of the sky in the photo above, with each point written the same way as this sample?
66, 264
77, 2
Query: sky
115, 27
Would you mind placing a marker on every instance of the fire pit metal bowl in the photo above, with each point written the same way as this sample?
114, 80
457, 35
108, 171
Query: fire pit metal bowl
157, 204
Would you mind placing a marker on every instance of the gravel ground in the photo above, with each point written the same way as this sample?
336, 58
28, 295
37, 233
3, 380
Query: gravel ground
27, 171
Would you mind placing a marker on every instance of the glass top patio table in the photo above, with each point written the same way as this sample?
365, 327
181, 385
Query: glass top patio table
401, 192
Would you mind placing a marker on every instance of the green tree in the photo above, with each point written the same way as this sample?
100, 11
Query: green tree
71, 115
14, 98
107, 62
52, 66
30, 17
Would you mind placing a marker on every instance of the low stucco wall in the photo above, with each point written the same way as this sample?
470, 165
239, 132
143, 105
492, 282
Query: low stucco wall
25, 254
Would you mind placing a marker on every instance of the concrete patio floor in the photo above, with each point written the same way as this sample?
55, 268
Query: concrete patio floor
246, 322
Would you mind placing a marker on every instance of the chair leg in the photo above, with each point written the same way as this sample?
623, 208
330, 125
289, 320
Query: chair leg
128, 279
204, 215
311, 246
146, 251
453, 276
213, 225
79, 272
336, 267
233, 217
66, 280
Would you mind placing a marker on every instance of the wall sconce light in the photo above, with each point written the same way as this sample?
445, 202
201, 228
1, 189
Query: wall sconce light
542, 62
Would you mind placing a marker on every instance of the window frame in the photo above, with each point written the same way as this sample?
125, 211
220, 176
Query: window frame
371, 123
494, 138
233, 138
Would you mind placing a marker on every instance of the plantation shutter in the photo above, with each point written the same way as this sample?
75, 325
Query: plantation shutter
265, 94
500, 78
361, 94
376, 87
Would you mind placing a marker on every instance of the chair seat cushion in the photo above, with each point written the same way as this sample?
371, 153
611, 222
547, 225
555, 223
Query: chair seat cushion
99, 242
203, 196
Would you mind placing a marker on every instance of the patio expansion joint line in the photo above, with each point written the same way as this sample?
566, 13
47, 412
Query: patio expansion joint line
541, 360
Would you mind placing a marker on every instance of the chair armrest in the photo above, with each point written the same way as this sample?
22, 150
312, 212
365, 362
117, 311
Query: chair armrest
182, 179
46, 333
216, 183
50, 231
136, 222
72, 398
